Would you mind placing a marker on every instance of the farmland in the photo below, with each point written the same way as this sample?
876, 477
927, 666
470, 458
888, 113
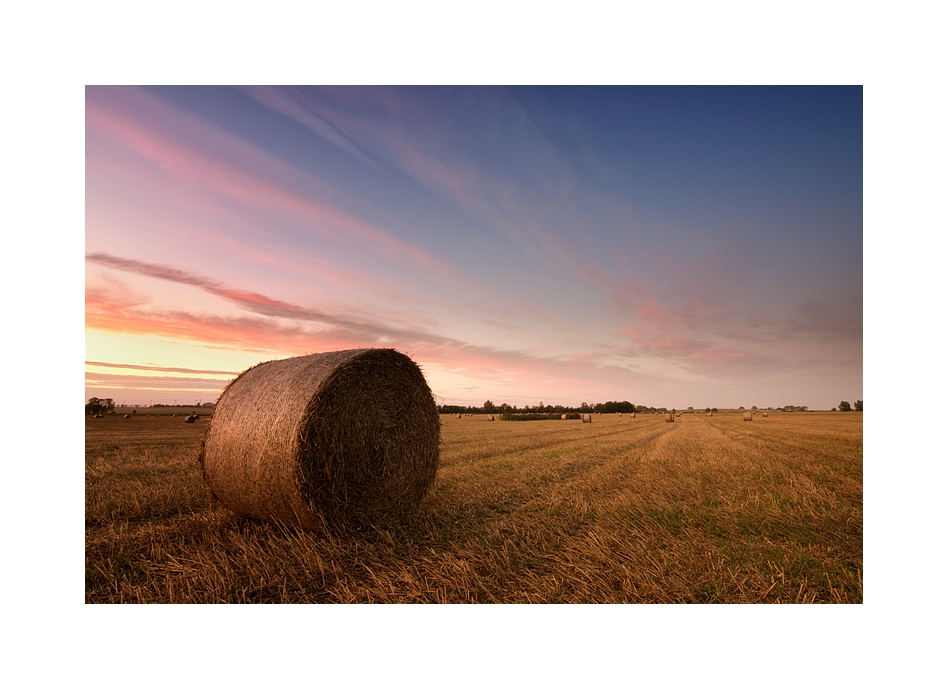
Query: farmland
622, 510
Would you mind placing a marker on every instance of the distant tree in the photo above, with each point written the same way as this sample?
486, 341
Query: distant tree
844, 406
740, 407
93, 406
754, 407
707, 410
858, 406
488, 407
833, 409
714, 409
691, 408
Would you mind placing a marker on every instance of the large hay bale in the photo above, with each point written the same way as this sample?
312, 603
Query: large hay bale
341, 438
587, 418
748, 416
669, 418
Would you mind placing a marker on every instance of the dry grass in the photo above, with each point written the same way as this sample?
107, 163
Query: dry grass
705, 510
339, 437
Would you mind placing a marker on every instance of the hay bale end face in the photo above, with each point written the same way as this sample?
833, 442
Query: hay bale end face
341, 438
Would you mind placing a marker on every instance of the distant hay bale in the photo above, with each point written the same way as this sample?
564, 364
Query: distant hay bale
710, 413
191, 419
341, 438
632, 415
587, 418
748, 416
128, 416
669, 418
564, 417
490, 417
765, 414
459, 416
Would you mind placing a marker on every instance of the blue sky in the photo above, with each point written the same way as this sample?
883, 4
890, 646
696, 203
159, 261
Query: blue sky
686, 246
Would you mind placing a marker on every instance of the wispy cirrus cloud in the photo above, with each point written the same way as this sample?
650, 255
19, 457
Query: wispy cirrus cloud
422, 145
162, 369
290, 102
126, 382
277, 326
274, 187
255, 302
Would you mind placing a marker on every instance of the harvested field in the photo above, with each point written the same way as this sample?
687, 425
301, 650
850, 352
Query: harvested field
708, 509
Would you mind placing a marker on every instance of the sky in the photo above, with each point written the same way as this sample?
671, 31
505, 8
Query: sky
668, 246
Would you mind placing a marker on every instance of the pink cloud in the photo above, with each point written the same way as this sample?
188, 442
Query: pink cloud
163, 369
293, 335
125, 382
187, 164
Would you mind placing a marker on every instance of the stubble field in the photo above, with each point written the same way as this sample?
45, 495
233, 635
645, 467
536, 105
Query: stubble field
621, 510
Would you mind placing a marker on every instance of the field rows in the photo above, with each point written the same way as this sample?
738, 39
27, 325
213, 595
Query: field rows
620, 510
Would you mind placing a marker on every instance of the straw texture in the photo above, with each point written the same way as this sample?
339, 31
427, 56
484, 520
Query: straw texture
341, 438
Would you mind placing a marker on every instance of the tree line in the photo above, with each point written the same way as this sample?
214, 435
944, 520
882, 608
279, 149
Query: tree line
612, 407
845, 406
100, 406
602, 407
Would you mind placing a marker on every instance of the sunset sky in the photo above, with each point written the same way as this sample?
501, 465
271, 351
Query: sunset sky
688, 246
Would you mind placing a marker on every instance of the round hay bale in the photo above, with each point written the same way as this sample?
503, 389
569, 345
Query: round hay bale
128, 416
669, 418
341, 438
490, 417
748, 416
587, 418
765, 414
